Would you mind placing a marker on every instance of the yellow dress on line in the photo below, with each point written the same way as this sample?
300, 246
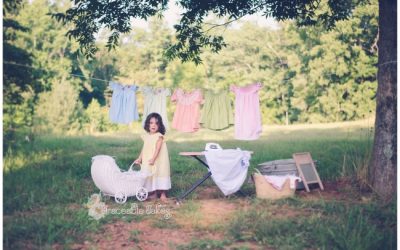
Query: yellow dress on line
161, 178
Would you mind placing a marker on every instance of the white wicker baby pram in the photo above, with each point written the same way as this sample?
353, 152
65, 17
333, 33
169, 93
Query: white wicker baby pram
111, 181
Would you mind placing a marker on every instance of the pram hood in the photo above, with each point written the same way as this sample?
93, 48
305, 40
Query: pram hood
109, 178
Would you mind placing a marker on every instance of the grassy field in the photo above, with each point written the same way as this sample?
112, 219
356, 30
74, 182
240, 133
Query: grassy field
47, 183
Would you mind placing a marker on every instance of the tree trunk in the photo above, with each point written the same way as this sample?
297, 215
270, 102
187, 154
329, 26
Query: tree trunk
287, 117
286, 110
384, 154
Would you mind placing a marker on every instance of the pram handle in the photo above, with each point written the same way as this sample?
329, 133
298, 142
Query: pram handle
131, 166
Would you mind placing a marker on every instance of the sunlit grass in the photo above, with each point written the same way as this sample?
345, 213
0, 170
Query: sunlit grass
47, 182
326, 224
60, 167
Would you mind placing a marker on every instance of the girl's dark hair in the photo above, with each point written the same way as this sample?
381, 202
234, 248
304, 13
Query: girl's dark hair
161, 127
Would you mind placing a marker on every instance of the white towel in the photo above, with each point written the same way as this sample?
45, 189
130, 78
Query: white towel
278, 181
228, 168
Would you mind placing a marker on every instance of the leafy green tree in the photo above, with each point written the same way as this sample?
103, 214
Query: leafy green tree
90, 16
95, 74
19, 86
57, 110
55, 66
344, 88
97, 117
141, 54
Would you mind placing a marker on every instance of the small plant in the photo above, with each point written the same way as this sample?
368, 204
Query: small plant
166, 223
134, 236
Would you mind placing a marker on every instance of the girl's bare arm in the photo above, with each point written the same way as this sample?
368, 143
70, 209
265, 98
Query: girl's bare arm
158, 148
139, 159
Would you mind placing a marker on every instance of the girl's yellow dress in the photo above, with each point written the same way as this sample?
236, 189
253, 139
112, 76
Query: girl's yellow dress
160, 180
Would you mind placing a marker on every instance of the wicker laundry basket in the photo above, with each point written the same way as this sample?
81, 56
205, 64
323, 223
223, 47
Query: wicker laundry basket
264, 190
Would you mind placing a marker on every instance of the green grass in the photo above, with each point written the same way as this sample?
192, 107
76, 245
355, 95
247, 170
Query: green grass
166, 224
49, 225
205, 244
43, 179
328, 225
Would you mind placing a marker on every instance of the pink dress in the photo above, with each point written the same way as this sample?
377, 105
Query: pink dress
247, 112
187, 113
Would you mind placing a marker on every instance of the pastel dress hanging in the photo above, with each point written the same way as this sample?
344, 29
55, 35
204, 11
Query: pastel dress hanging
187, 113
247, 112
130, 112
123, 108
155, 101
217, 111
115, 112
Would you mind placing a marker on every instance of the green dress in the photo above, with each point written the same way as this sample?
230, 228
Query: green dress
217, 111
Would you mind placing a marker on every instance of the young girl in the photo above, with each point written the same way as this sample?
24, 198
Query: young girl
154, 157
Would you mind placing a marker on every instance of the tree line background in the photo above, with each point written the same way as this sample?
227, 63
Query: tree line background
309, 74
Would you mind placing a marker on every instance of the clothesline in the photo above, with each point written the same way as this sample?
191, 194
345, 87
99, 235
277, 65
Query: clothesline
87, 77
76, 75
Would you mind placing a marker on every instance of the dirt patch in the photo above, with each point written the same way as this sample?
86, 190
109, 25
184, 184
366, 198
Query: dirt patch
217, 211
211, 192
142, 235
182, 228
211, 212
154, 231
341, 190
285, 212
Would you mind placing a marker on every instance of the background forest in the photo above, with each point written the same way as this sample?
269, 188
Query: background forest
309, 75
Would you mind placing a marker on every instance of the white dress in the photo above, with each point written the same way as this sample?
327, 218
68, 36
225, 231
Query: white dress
155, 101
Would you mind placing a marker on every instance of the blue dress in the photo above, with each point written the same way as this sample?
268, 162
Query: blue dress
123, 107
130, 113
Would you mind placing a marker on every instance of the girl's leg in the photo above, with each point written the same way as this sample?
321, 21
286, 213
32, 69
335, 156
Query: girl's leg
163, 195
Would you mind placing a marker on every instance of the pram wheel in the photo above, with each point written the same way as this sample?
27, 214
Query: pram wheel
141, 194
120, 197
